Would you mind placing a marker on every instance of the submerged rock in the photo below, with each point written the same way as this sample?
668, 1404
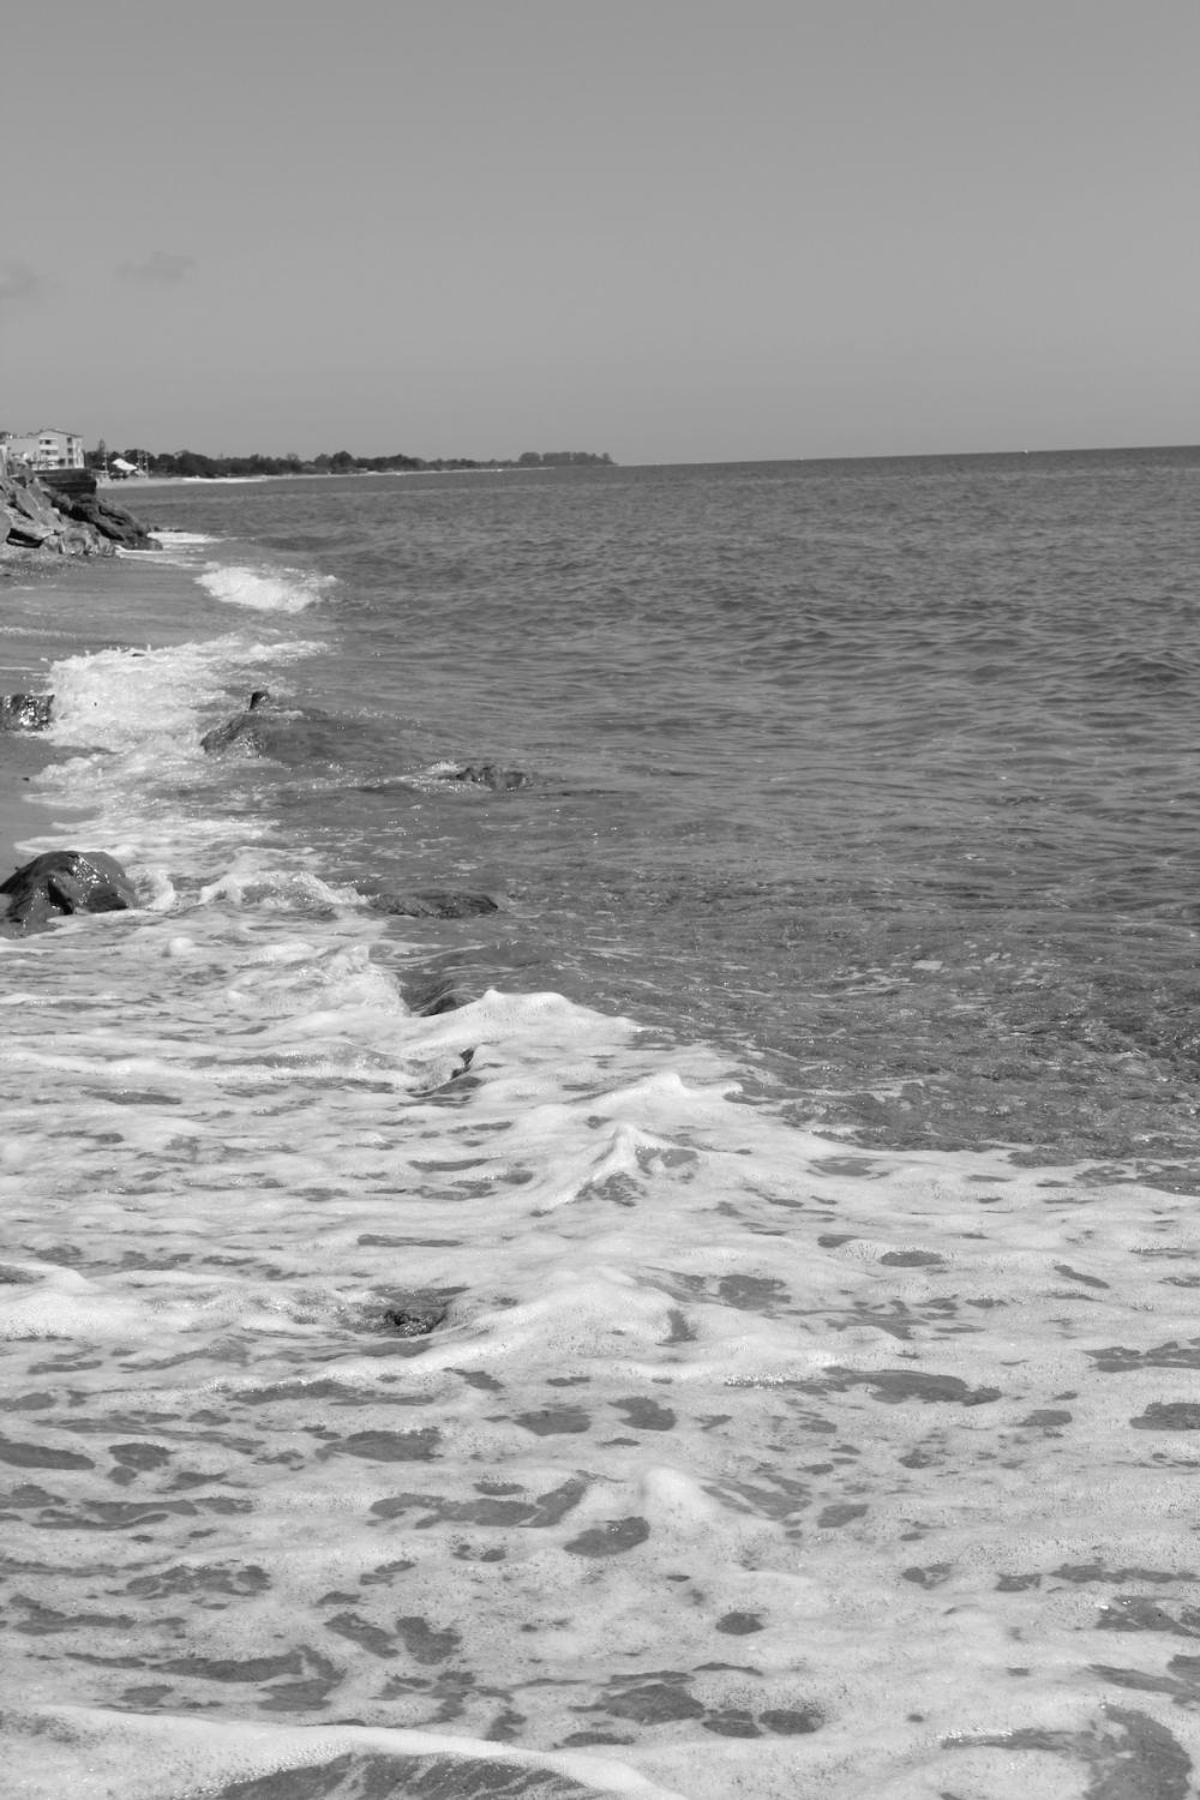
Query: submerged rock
435, 994
244, 726
427, 905
66, 881
25, 712
489, 775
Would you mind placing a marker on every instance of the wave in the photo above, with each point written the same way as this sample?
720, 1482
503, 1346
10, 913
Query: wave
266, 588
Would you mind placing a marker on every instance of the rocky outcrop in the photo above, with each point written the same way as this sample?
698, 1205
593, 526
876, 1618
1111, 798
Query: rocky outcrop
112, 522
32, 517
25, 712
66, 881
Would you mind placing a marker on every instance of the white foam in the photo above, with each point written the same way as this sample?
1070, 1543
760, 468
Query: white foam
266, 588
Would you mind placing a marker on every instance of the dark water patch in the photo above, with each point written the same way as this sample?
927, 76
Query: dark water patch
124, 1515
545, 1510
614, 1538
387, 1446
646, 1414
250, 1670
655, 1702
893, 1386
1117, 1358
1135, 1612
931, 1576
1183, 1693
732, 1721
140, 1457
831, 1518
1074, 1275
43, 1621
1169, 1415
783, 1499
792, 1721
555, 1421
424, 1642
1082, 1572
752, 1293
41, 1456
739, 1624
1128, 1755
238, 1581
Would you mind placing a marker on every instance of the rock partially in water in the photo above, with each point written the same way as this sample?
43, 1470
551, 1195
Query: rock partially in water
25, 712
435, 994
437, 905
489, 775
112, 523
66, 881
243, 727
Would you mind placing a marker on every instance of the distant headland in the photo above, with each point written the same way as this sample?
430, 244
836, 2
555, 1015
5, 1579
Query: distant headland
194, 465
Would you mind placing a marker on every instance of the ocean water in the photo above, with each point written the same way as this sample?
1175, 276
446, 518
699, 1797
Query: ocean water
722, 1324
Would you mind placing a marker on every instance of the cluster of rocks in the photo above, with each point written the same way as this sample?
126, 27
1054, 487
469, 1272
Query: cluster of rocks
34, 516
69, 881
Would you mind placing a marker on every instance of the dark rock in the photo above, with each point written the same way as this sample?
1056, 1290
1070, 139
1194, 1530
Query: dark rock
489, 776
416, 1315
428, 905
27, 533
66, 881
289, 734
25, 712
243, 727
112, 522
32, 518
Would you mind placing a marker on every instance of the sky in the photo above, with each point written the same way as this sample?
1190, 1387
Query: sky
672, 230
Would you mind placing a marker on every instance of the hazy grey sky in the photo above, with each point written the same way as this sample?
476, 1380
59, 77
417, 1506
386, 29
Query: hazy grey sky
677, 230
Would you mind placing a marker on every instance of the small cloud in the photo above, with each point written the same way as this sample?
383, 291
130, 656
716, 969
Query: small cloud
162, 269
19, 284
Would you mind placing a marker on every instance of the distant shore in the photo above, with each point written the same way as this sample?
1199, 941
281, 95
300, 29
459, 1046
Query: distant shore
132, 484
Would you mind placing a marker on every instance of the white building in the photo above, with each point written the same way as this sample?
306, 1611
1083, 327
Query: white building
45, 449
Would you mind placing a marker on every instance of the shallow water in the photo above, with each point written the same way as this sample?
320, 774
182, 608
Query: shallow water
744, 1343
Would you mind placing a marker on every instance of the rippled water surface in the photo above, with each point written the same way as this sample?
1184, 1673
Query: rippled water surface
671, 1275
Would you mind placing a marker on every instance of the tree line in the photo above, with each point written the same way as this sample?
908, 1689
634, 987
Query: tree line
194, 464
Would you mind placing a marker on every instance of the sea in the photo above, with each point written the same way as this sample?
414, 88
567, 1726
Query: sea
623, 1216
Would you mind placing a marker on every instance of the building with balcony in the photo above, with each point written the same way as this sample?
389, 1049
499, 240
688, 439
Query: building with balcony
37, 450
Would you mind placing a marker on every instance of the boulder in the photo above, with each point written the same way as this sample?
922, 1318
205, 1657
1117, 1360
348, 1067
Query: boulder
25, 712
66, 881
